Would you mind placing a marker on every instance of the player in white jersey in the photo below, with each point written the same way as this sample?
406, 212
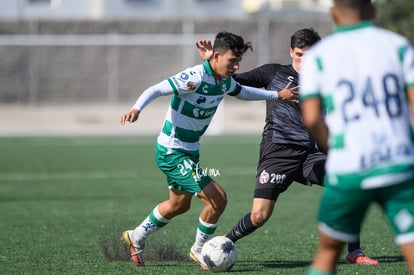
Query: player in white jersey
362, 77
196, 93
287, 150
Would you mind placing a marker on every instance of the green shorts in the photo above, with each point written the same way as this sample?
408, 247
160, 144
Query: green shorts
342, 210
182, 169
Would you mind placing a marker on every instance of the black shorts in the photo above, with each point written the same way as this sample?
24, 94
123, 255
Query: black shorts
280, 165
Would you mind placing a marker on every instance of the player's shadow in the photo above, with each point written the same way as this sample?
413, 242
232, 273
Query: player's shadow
381, 260
246, 266
386, 259
285, 264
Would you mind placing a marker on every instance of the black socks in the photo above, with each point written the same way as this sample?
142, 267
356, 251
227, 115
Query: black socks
243, 228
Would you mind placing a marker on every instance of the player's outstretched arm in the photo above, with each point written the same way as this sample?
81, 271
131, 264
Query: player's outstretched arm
289, 94
130, 116
205, 49
252, 93
161, 89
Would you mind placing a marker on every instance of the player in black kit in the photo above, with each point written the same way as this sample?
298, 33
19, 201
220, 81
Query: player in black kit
287, 151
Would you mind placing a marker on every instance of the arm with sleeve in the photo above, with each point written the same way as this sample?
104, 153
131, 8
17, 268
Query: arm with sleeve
161, 89
259, 77
251, 93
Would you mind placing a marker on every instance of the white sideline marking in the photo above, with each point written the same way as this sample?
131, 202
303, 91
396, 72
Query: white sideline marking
76, 175
65, 175
132, 142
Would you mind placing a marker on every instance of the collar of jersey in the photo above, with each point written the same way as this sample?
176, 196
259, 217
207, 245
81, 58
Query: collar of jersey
360, 25
209, 71
208, 68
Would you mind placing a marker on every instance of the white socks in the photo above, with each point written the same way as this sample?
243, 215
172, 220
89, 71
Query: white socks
204, 233
152, 223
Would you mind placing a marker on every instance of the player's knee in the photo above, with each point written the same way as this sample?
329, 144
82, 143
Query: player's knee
220, 200
221, 203
329, 243
180, 208
214, 198
183, 209
258, 218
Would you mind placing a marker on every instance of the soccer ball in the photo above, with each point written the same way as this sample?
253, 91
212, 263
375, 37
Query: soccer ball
219, 254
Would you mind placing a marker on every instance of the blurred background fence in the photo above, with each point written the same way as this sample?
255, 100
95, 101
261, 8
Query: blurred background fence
57, 52
114, 66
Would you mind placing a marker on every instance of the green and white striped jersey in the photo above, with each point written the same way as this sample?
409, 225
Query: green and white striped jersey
197, 94
360, 72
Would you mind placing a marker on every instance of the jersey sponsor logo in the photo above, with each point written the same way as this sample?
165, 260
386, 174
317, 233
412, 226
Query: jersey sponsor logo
272, 178
201, 100
198, 113
264, 177
205, 89
386, 153
178, 82
175, 81
191, 85
184, 76
218, 99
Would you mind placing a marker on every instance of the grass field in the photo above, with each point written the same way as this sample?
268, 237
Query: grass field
64, 203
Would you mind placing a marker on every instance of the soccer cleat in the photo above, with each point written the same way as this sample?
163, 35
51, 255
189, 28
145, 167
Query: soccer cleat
136, 252
198, 259
360, 258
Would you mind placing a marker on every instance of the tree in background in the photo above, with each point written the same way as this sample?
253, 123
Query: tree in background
397, 15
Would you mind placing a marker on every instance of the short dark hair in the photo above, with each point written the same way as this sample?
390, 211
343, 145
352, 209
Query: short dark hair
365, 8
304, 38
355, 4
225, 41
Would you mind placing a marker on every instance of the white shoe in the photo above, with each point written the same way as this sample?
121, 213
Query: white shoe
136, 252
198, 258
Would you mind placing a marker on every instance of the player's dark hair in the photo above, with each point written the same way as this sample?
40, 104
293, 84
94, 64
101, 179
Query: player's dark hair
365, 8
225, 41
304, 38
355, 4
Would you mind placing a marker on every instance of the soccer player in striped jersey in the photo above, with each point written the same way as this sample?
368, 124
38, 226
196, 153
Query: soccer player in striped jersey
287, 151
196, 93
362, 76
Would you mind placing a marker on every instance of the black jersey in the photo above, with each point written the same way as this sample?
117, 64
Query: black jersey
284, 123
